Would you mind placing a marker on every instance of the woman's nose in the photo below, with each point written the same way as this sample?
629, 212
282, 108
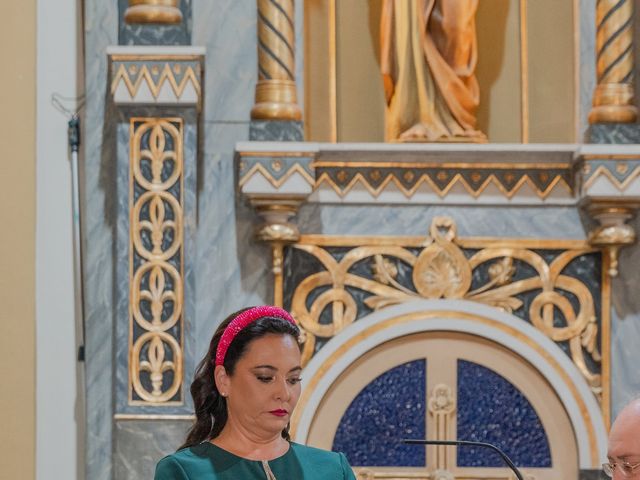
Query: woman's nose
283, 391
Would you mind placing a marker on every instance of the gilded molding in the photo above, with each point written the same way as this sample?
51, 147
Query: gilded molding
414, 174
145, 79
560, 306
164, 12
156, 261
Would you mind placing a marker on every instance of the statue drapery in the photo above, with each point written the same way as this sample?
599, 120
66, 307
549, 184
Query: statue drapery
428, 60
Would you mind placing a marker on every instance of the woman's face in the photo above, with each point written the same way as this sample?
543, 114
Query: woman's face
265, 385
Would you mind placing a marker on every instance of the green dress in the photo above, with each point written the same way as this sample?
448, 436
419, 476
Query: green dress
209, 462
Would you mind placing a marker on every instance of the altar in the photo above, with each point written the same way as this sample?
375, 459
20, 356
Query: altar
475, 283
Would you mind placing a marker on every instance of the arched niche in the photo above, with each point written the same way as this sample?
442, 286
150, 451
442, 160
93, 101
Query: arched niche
512, 348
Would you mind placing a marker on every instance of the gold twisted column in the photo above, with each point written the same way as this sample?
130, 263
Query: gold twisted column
613, 97
276, 97
153, 11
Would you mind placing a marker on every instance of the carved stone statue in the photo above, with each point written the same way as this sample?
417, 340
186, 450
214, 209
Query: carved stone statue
428, 60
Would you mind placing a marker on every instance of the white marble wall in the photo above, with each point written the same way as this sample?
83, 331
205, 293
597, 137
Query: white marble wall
98, 221
514, 222
625, 328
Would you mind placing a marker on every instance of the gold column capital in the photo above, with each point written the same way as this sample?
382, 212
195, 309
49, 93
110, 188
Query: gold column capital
276, 213
612, 232
153, 11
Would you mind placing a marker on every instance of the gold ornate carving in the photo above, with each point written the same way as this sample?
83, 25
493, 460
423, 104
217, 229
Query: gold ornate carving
153, 11
442, 270
613, 97
612, 233
276, 96
156, 261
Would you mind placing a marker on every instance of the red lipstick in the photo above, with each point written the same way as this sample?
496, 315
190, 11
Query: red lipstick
279, 413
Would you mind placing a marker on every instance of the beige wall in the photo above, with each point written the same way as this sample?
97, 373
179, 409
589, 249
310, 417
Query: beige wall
17, 257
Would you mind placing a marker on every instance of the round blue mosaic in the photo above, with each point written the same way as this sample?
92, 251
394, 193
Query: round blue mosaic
491, 409
388, 409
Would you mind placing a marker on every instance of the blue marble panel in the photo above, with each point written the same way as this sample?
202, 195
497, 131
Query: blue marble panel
617, 133
155, 34
139, 444
388, 409
492, 410
276, 131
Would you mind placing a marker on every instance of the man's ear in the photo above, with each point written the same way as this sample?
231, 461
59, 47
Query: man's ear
223, 382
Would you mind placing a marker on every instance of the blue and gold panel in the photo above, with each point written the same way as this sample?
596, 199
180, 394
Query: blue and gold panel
388, 409
492, 410
557, 286
156, 262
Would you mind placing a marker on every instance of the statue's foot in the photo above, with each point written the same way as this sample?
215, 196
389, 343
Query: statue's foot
420, 132
423, 133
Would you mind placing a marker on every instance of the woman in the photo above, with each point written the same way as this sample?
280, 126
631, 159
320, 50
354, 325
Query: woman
244, 392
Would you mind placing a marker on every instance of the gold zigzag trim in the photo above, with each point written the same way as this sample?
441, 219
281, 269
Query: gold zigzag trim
277, 183
442, 192
604, 171
145, 75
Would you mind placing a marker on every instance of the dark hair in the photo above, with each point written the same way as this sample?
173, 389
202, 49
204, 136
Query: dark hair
210, 406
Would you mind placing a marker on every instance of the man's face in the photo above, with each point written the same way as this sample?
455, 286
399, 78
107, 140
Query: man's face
624, 443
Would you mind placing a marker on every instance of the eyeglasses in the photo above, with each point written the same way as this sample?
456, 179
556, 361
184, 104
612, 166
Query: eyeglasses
626, 468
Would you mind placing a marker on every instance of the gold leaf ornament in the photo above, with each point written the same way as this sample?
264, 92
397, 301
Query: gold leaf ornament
442, 270
501, 272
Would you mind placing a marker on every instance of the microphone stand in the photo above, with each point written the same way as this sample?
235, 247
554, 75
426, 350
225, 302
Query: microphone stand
503, 455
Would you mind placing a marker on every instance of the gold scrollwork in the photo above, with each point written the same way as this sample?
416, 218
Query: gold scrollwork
441, 270
156, 261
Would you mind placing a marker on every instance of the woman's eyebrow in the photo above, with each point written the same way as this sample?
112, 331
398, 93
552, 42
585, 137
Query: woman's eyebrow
271, 367
268, 367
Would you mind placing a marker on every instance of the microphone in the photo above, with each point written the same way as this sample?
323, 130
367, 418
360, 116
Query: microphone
503, 455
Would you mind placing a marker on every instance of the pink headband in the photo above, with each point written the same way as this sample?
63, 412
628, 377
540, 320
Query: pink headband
242, 320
